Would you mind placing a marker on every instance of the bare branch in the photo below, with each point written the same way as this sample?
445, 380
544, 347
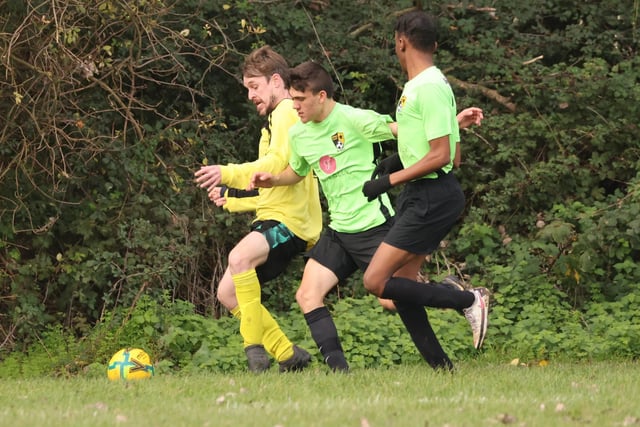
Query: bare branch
489, 93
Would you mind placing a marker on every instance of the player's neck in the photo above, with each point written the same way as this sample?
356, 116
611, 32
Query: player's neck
281, 95
327, 108
417, 63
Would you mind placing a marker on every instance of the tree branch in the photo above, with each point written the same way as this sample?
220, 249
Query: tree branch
489, 93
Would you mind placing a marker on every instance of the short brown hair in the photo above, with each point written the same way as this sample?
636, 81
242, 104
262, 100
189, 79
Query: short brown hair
311, 75
265, 62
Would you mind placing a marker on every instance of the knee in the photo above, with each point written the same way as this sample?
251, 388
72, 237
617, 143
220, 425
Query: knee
226, 299
372, 284
238, 261
387, 304
226, 292
307, 300
302, 298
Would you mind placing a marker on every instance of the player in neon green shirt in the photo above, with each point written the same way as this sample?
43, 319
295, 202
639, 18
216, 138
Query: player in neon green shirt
334, 149
336, 142
432, 199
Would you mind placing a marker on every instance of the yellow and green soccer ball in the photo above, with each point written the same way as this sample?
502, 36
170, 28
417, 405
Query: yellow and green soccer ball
130, 364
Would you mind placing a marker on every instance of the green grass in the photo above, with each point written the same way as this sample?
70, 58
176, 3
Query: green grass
478, 394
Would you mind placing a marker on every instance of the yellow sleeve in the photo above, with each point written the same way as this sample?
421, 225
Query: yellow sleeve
242, 204
239, 200
273, 154
298, 205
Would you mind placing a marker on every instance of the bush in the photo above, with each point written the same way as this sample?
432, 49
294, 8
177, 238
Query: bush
110, 109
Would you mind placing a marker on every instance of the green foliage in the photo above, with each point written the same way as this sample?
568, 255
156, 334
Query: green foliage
178, 338
110, 108
610, 326
371, 337
56, 352
529, 321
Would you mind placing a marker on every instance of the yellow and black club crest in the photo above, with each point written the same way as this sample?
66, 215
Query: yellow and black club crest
401, 103
338, 140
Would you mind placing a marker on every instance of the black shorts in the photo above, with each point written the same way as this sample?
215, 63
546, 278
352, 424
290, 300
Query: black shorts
426, 210
283, 244
344, 253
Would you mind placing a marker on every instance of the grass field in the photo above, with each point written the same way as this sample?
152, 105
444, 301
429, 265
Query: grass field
477, 394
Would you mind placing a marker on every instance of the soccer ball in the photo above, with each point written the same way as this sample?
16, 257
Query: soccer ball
130, 364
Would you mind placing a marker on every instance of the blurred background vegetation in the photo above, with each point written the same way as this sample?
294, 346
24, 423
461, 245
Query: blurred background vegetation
108, 107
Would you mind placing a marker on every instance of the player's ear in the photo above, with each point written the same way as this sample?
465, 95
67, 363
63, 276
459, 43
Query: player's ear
400, 42
277, 80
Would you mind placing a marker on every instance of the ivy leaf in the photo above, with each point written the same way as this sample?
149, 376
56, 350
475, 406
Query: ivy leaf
556, 231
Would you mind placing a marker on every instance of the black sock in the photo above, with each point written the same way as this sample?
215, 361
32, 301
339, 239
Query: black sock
325, 334
417, 323
412, 292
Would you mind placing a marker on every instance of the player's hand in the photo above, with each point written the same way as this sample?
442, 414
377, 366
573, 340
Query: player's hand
208, 176
376, 187
470, 116
217, 195
260, 180
387, 166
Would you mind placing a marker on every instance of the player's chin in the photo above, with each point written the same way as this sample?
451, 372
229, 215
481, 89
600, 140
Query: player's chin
261, 109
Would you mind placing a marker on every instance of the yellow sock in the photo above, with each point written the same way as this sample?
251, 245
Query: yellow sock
271, 336
248, 294
274, 340
235, 312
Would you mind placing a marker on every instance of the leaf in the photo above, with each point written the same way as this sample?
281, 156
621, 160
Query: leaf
556, 231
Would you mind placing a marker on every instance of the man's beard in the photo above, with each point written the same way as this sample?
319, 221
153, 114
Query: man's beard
271, 105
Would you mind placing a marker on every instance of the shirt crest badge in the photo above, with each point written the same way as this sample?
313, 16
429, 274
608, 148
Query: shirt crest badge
401, 102
338, 140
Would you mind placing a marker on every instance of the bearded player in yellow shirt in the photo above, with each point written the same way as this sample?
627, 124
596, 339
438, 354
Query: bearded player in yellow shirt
288, 219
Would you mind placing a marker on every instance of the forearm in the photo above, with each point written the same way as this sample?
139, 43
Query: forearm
394, 128
243, 204
418, 170
286, 177
438, 157
457, 158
